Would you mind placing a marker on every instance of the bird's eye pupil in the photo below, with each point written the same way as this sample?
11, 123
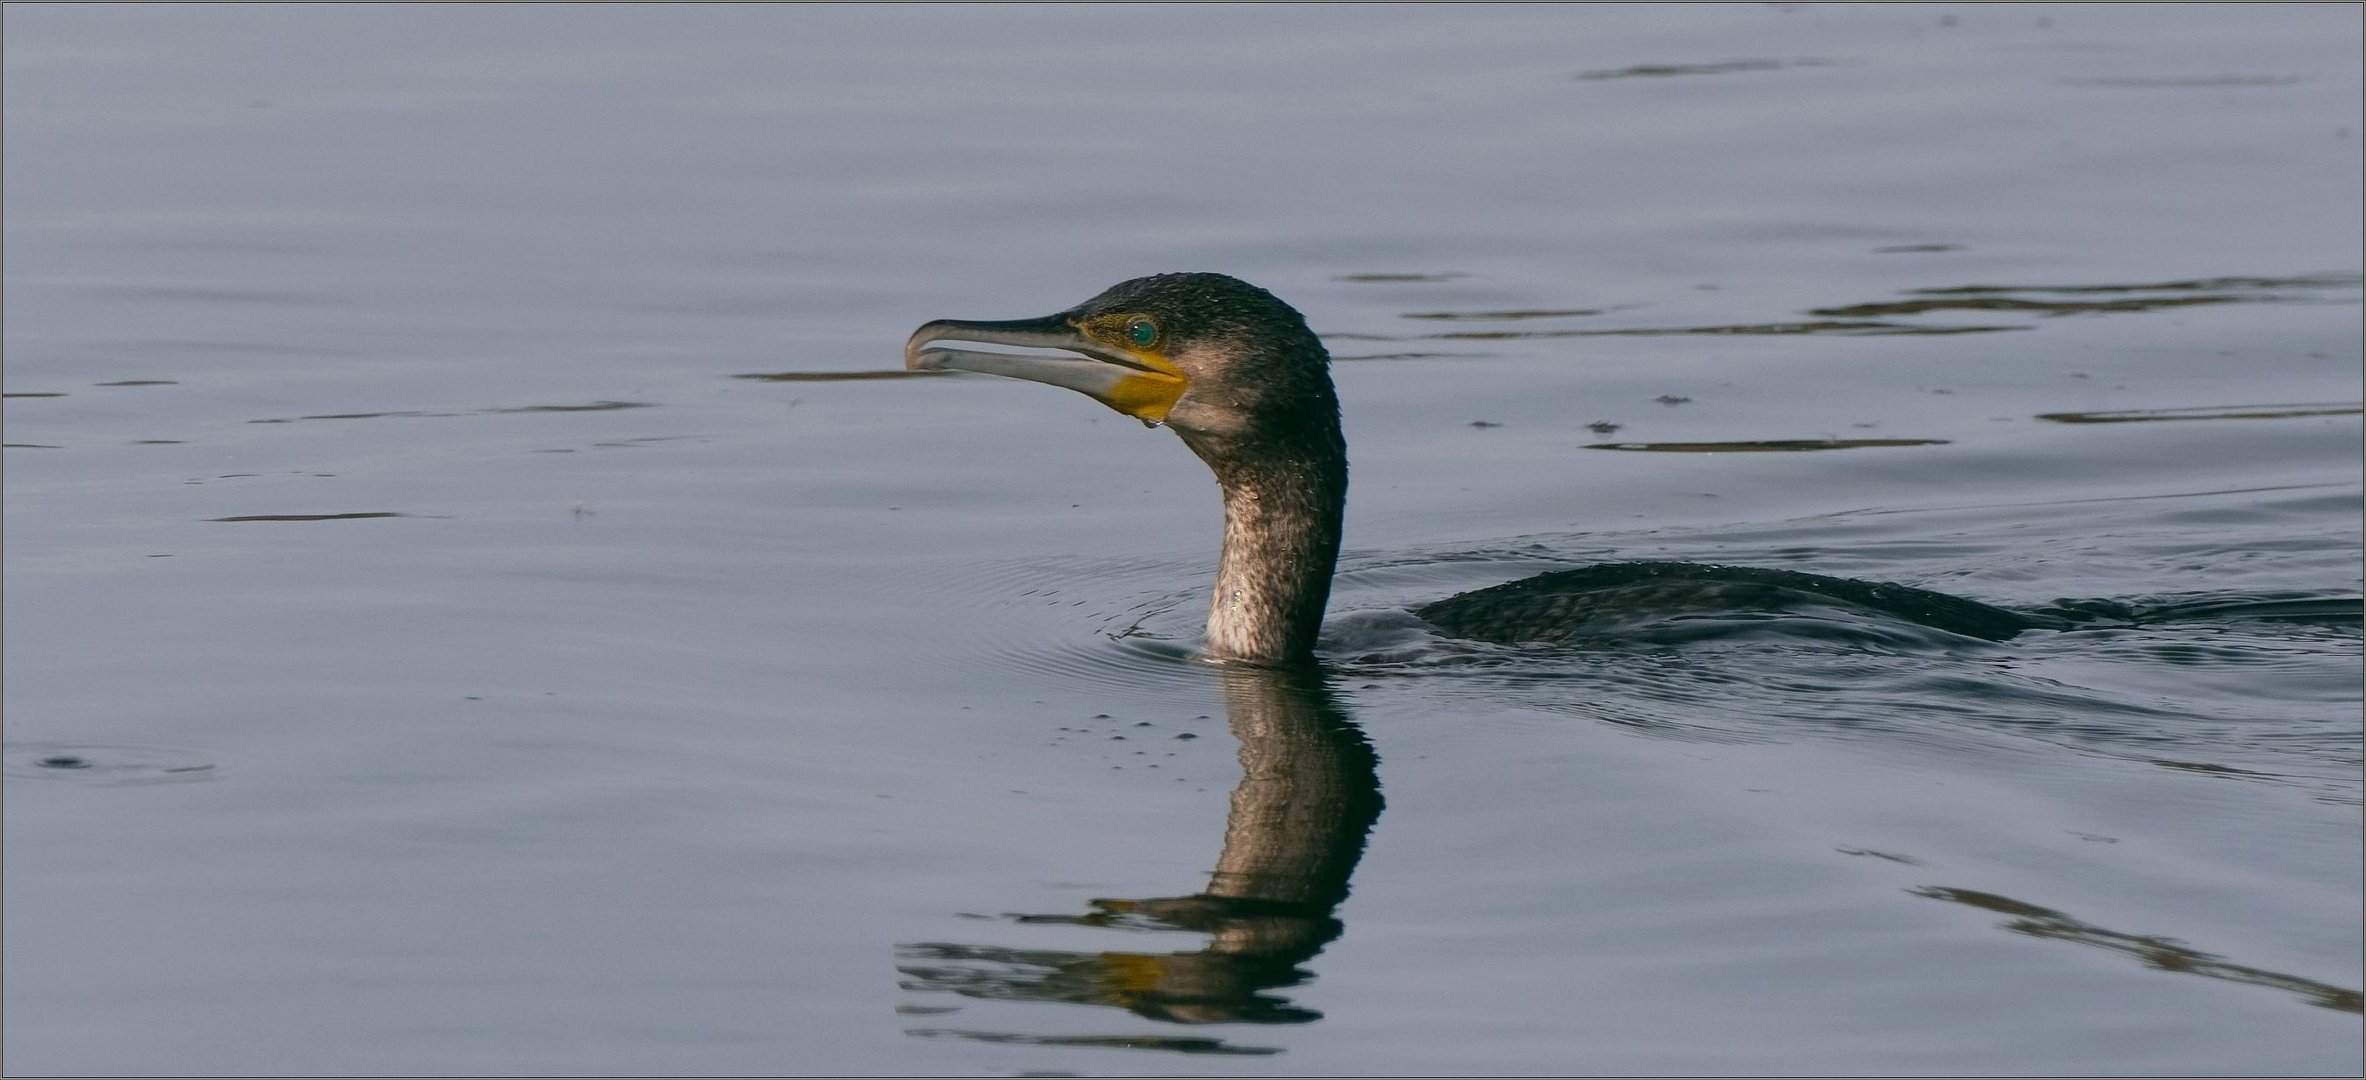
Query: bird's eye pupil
1142, 332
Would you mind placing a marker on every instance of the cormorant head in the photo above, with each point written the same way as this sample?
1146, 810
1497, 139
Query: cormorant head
1220, 360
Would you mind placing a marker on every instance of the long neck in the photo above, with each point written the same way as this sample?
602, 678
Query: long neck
1281, 542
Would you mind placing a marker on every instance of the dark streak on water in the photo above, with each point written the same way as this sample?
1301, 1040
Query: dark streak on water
310, 517
2164, 954
596, 406
1764, 445
1721, 67
1390, 279
2205, 412
1177, 1044
1548, 313
837, 376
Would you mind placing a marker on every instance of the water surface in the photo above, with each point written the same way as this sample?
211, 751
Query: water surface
481, 596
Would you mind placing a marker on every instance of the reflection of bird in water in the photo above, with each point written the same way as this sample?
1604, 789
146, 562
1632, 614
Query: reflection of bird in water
1238, 375
1308, 796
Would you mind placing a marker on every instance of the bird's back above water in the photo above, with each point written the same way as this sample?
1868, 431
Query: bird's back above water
1574, 606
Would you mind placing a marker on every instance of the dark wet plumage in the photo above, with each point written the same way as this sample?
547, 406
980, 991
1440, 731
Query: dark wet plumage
1574, 605
1239, 376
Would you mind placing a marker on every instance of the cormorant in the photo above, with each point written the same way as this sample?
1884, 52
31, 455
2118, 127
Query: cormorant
1239, 376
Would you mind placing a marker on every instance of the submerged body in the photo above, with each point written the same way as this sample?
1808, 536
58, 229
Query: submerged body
1240, 377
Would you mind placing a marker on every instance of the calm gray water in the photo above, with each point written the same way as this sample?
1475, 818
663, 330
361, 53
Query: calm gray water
463, 617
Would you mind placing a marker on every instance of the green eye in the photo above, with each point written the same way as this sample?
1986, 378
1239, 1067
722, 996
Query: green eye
1142, 332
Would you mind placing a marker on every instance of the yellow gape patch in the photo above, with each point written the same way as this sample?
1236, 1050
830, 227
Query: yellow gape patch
1150, 393
1147, 396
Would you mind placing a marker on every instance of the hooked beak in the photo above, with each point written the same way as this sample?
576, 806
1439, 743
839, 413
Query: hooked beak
1142, 385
